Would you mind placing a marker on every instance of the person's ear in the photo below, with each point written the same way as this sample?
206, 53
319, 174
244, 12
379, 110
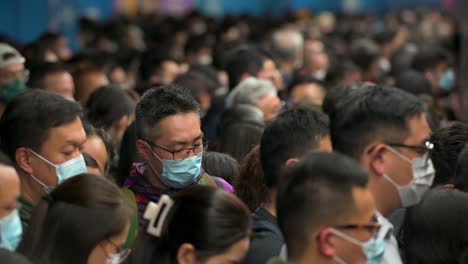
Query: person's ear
186, 254
290, 162
376, 160
23, 160
325, 244
142, 148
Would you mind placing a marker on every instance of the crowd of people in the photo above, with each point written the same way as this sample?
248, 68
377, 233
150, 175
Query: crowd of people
306, 138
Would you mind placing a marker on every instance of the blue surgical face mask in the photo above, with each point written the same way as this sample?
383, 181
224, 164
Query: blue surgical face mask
66, 169
373, 248
447, 81
179, 173
10, 231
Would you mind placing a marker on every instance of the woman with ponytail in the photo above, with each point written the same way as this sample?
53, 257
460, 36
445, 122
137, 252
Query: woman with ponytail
199, 225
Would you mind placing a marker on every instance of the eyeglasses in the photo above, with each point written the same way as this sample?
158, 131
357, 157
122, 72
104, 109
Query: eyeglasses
422, 150
122, 253
373, 227
9, 77
184, 153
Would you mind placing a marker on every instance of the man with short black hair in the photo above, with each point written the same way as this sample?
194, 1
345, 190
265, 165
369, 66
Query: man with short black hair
327, 213
42, 132
170, 141
285, 140
53, 77
247, 61
448, 144
386, 131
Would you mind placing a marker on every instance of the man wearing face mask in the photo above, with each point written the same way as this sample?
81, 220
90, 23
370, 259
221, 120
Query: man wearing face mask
327, 213
171, 143
13, 75
42, 132
10, 223
386, 131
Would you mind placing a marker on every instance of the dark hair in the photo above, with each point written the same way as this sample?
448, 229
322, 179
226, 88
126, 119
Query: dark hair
250, 186
157, 104
316, 191
41, 70
220, 165
217, 221
303, 79
239, 130
9, 257
151, 63
334, 95
108, 105
241, 60
413, 82
29, 117
364, 52
196, 82
448, 143
368, 113
460, 181
106, 139
293, 133
128, 154
435, 230
5, 160
428, 58
196, 43
80, 205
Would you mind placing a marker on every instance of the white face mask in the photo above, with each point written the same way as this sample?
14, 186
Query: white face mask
113, 259
423, 176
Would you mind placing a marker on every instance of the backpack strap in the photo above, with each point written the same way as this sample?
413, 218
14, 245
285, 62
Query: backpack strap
129, 197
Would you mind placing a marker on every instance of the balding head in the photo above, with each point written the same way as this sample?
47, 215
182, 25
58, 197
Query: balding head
9, 189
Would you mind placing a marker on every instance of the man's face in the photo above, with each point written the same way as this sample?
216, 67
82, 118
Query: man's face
270, 106
9, 190
398, 169
315, 56
62, 144
60, 83
62, 50
364, 214
12, 73
311, 92
91, 83
176, 132
271, 73
170, 70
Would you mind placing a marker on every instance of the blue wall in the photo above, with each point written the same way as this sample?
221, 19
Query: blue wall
25, 20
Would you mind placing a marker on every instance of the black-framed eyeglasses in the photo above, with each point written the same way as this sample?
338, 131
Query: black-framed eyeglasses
184, 153
374, 227
422, 150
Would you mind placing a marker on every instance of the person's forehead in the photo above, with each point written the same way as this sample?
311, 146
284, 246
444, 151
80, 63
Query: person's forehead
69, 133
183, 126
9, 180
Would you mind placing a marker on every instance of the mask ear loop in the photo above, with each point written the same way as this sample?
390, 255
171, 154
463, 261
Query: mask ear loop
157, 213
